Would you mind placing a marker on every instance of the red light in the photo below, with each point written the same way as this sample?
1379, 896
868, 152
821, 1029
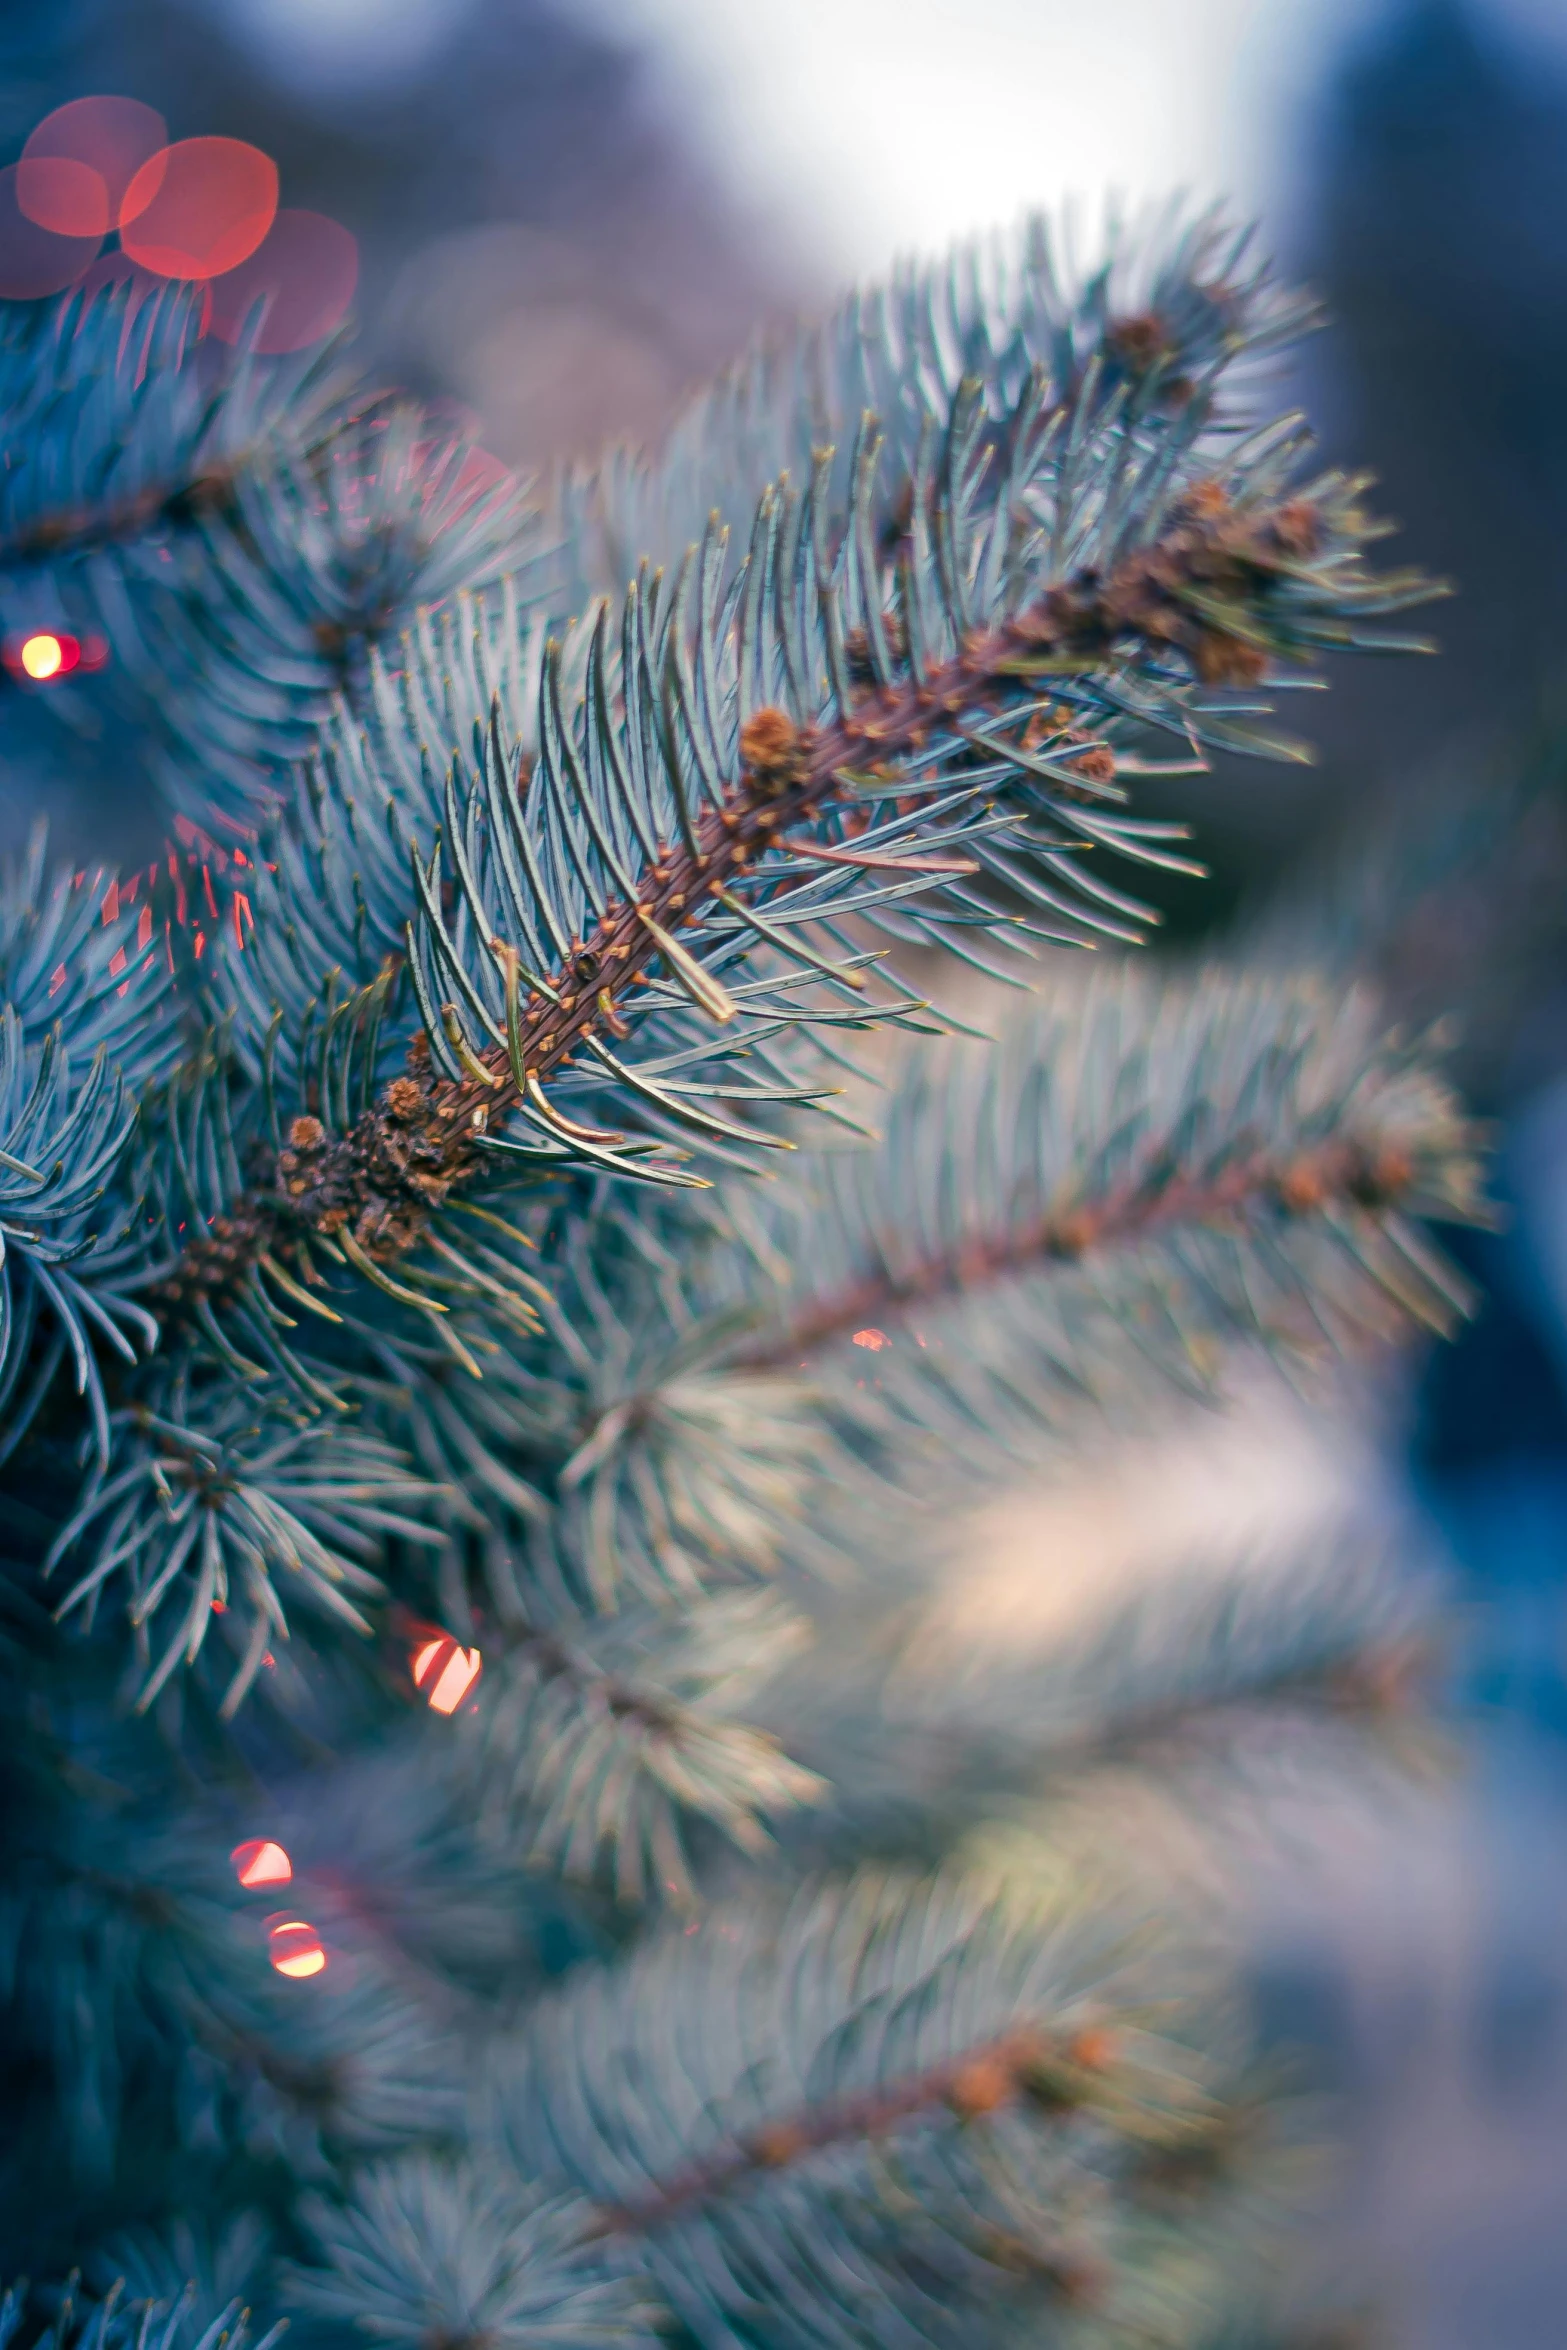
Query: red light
33, 260
295, 1948
445, 1671
81, 159
199, 208
261, 1863
45, 654
875, 1340
304, 271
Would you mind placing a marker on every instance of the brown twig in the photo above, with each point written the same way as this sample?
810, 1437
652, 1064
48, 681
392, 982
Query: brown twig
1052, 2071
1340, 1172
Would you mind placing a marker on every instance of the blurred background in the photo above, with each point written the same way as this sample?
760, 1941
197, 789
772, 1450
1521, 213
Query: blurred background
567, 214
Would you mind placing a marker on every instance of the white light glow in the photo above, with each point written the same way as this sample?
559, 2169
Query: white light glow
881, 127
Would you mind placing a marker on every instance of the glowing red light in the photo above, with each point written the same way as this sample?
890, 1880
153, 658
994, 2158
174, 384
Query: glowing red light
78, 164
295, 1948
304, 272
875, 1340
35, 261
445, 1671
261, 1863
45, 654
208, 208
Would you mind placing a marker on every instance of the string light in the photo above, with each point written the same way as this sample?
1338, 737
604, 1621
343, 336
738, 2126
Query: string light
444, 1671
261, 1863
45, 654
296, 1948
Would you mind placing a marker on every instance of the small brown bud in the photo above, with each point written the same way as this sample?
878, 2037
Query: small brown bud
1079, 2282
1392, 1171
405, 1097
779, 2144
1302, 1189
1073, 1234
307, 1134
1206, 501
1227, 660
1094, 2049
982, 2085
1141, 342
1297, 526
1096, 764
770, 745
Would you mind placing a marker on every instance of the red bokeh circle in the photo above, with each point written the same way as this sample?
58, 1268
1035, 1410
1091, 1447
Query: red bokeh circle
79, 163
304, 271
209, 210
35, 261
68, 197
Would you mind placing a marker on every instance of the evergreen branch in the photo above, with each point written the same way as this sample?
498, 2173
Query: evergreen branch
1336, 1175
1168, 1686
462, 2255
157, 507
1203, 588
239, 533
955, 2106
1137, 1168
600, 1744
121, 2322
1057, 2074
210, 1510
1134, 354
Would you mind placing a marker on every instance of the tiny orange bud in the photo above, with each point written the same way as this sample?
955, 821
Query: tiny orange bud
307, 1134
982, 2085
1302, 1189
779, 2144
770, 744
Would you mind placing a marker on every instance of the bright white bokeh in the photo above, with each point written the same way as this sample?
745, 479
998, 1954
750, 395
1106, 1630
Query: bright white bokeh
874, 127
869, 128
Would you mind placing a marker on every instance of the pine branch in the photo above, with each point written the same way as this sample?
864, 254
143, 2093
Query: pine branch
1202, 588
1341, 1175
604, 1745
238, 534
1025, 2066
1138, 1169
463, 2254
1133, 356
119, 2322
206, 1511
956, 2106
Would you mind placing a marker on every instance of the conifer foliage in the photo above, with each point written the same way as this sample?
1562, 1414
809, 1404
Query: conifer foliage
465, 1307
